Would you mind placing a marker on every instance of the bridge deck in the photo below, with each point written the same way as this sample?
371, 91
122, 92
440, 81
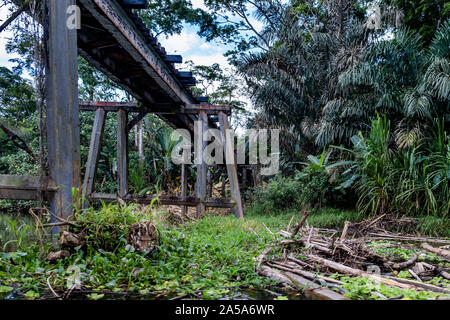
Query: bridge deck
116, 41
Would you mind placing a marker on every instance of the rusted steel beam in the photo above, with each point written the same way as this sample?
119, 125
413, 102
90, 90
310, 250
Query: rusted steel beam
108, 106
25, 188
130, 107
102, 44
160, 108
94, 151
63, 125
116, 21
208, 108
231, 165
136, 120
166, 200
122, 152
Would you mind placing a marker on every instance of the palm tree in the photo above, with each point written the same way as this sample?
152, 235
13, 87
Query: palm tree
293, 82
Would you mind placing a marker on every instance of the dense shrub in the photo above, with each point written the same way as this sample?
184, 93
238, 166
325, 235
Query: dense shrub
313, 187
279, 194
407, 181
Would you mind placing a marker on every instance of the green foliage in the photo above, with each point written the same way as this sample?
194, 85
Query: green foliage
317, 184
375, 187
280, 193
107, 227
363, 289
409, 181
165, 17
213, 258
434, 226
423, 16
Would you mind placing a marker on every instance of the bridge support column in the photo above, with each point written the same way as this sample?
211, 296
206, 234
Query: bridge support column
94, 152
183, 188
63, 125
202, 167
228, 142
122, 153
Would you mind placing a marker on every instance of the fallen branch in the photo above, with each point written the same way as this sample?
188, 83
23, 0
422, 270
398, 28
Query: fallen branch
301, 223
357, 273
306, 274
415, 275
440, 252
406, 264
344, 232
424, 286
312, 289
388, 236
57, 296
273, 274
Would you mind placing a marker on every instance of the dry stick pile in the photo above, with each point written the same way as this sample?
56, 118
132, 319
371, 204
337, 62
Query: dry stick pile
312, 251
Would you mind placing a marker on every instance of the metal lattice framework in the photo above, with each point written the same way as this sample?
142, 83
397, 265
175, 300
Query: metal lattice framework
114, 40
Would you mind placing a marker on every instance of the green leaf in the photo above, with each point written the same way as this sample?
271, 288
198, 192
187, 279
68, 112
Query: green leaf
31, 295
5, 289
95, 296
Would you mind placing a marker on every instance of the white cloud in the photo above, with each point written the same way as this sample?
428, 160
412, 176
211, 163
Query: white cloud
206, 46
181, 42
4, 36
199, 4
208, 60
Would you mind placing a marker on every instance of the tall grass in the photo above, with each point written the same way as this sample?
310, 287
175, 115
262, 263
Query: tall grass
413, 181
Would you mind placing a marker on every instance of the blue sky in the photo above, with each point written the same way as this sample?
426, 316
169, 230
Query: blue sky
192, 47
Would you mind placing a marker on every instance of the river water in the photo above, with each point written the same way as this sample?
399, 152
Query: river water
15, 230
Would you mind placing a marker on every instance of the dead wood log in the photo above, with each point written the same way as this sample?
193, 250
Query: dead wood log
53, 256
301, 223
444, 274
440, 252
313, 290
306, 274
273, 274
344, 232
415, 275
357, 273
421, 285
285, 234
389, 236
319, 248
143, 236
419, 268
263, 255
71, 240
406, 264
299, 262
